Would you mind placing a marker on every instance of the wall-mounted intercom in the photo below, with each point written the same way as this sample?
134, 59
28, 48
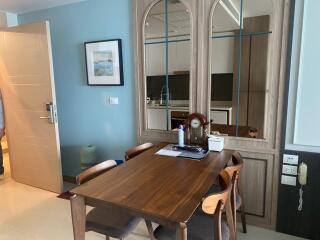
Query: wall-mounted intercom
302, 178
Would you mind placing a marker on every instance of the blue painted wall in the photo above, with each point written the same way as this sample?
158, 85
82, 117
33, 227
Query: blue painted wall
84, 115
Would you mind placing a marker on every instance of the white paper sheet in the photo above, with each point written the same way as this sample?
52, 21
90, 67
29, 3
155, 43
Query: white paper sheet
169, 153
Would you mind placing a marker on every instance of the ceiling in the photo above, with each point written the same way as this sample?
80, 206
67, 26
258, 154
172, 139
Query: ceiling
253, 8
23, 6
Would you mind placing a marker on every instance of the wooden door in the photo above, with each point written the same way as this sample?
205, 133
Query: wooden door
27, 85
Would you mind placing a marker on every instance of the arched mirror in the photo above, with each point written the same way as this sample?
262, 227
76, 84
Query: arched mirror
240, 41
167, 47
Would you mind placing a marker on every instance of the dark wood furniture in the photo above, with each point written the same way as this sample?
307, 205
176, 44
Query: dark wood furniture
135, 151
206, 223
231, 130
110, 221
95, 171
165, 190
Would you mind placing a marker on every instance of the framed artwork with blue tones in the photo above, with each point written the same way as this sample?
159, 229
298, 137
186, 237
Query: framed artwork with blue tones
104, 63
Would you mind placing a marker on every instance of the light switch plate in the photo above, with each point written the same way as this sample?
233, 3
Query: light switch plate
288, 169
113, 100
288, 180
290, 159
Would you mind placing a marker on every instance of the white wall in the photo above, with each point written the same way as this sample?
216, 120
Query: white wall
222, 54
12, 19
303, 128
8, 19
180, 57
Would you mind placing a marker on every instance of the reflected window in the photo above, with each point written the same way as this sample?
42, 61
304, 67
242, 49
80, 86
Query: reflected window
167, 64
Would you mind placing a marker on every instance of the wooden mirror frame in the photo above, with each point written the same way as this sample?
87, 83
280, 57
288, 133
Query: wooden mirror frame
141, 10
275, 78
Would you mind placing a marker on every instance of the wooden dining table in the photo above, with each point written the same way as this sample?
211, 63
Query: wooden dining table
165, 190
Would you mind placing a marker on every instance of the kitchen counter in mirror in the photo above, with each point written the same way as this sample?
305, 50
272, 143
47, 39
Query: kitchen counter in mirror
157, 106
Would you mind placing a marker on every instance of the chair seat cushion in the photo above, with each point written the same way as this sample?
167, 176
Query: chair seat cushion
238, 201
200, 227
113, 222
119, 162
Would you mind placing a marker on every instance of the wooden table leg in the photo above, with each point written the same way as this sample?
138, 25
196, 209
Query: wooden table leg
78, 213
181, 231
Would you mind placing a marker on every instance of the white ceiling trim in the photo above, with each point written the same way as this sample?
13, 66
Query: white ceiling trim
24, 6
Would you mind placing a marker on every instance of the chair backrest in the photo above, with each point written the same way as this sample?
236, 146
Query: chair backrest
135, 151
210, 203
234, 169
215, 203
234, 172
95, 171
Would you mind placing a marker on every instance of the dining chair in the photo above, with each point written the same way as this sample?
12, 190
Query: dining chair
110, 221
206, 223
135, 151
237, 200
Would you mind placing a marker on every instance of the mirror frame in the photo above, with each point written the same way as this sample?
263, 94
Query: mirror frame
273, 78
145, 134
201, 22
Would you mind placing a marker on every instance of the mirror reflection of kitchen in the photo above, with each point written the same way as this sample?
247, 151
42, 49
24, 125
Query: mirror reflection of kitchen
238, 100
167, 64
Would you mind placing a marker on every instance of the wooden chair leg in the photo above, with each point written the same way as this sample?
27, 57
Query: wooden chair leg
243, 215
230, 220
150, 229
107, 238
243, 219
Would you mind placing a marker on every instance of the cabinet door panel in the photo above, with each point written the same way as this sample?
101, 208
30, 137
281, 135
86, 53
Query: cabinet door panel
253, 183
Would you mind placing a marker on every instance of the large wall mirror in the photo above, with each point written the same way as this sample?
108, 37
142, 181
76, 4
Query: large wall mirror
167, 48
240, 41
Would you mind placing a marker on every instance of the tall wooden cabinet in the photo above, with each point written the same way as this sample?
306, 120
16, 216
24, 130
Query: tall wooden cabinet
263, 86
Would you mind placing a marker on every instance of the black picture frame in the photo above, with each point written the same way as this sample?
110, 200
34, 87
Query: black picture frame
99, 56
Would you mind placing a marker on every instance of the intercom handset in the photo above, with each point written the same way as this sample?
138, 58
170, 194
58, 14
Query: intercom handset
302, 178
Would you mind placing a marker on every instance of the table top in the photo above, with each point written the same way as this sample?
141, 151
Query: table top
169, 188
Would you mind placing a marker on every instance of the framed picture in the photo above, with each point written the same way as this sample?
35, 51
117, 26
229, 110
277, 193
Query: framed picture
104, 63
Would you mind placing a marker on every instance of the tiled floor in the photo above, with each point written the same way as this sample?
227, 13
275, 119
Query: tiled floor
27, 213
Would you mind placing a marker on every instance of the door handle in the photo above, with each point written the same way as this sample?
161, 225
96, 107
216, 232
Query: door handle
52, 117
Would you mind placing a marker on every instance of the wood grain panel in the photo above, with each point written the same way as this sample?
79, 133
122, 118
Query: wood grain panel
256, 111
27, 84
253, 183
41, 94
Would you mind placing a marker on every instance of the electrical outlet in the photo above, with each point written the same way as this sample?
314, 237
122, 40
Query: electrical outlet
288, 169
290, 159
113, 100
288, 180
